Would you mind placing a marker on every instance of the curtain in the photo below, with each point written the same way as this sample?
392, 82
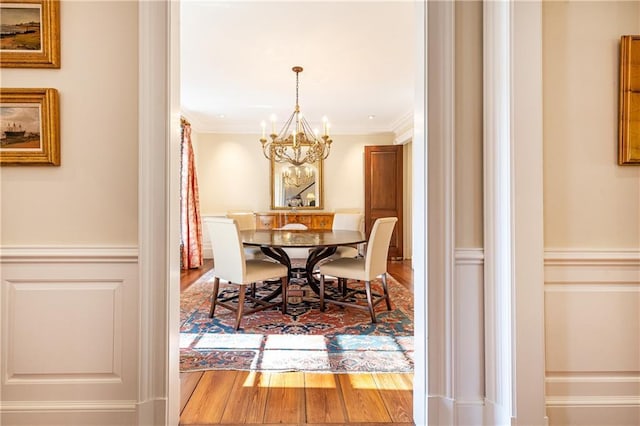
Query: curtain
190, 221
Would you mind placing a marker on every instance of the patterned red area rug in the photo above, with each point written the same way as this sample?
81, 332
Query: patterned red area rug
339, 340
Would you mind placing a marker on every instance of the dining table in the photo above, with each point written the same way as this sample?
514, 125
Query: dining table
321, 244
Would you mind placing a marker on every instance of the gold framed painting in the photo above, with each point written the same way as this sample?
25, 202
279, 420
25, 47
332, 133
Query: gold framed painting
629, 111
30, 33
30, 126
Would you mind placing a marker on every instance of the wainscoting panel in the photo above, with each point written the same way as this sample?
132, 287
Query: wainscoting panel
468, 334
592, 334
69, 327
93, 310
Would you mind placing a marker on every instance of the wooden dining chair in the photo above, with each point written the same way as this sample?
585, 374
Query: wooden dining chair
366, 269
230, 264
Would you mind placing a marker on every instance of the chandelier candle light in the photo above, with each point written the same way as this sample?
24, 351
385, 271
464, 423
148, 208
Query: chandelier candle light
298, 145
294, 176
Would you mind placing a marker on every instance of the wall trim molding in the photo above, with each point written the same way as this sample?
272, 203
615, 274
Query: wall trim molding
69, 254
592, 257
67, 406
469, 256
594, 401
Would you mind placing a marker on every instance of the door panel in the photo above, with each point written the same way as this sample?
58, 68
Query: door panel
383, 190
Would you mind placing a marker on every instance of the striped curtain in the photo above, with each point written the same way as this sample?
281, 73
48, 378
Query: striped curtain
190, 221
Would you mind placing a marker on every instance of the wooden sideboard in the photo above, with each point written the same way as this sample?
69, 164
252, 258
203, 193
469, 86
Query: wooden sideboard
270, 220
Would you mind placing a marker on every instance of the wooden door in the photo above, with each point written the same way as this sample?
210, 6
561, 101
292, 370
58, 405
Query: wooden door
383, 190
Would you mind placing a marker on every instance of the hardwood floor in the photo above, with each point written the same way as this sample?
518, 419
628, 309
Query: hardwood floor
297, 398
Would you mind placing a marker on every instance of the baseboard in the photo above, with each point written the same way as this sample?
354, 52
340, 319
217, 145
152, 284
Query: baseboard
594, 410
469, 413
495, 414
68, 413
152, 412
441, 410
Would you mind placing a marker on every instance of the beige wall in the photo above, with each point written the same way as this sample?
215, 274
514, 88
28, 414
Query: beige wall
71, 314
589, 201
591, 219
234, 175
468, 125
92, 197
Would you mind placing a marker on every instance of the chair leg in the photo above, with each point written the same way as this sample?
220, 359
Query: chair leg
322, 293
386, 291
240, 306
367, 287
344, 287
214, 296
285, 300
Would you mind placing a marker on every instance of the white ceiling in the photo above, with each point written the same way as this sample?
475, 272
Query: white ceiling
358, 59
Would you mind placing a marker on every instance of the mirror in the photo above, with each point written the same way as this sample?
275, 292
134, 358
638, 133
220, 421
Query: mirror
296, 187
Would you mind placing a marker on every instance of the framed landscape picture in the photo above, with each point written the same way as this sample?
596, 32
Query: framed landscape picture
29, 124
30, 34
629, 98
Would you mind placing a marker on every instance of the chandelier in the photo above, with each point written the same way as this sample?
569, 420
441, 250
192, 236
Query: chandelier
296, 143
294, 176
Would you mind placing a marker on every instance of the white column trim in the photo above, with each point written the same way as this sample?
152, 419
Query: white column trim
528, 222
156, 261
441, 178
497, 212
419, 218
514, 275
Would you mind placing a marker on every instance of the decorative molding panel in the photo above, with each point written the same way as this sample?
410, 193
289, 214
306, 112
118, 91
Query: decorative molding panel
91, 353
66, 254
592, 258
69, 329
469, 256
592, 306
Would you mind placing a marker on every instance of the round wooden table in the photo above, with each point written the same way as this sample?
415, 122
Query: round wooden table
322, 244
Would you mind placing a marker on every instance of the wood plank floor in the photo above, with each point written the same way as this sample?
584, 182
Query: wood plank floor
297, 398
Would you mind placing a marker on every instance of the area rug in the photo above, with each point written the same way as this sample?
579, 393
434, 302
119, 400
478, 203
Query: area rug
339, 340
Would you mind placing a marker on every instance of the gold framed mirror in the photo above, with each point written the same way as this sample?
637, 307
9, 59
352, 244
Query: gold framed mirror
296, 187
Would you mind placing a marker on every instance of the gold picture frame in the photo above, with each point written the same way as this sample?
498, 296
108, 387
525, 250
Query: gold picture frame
629, 111
30, 34
302, 184
30, 127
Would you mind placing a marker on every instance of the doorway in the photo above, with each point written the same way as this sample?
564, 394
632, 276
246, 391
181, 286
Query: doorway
159, 211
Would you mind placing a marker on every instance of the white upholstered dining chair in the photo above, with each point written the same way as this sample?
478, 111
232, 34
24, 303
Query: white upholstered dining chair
373, 265
230, 264
349, 222
295, 253
247, 222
